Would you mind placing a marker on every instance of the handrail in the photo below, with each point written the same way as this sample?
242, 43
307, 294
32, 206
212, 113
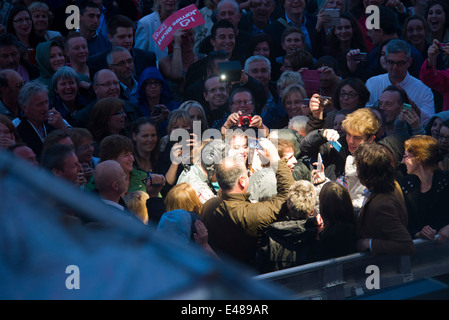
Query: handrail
345, 277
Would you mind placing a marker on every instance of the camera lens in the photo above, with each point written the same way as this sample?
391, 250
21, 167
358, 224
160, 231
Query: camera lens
245, 121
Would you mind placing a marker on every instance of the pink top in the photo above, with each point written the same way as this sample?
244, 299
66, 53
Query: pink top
437, 80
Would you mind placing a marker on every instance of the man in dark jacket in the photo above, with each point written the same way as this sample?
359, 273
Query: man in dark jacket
288, 243
235, 224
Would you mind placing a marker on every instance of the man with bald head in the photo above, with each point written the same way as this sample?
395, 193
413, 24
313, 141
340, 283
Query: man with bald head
236, 225
110, 180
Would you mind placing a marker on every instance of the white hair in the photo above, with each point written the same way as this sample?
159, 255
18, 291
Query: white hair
255, 59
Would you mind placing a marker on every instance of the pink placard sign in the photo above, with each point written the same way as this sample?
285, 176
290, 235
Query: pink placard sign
185, 18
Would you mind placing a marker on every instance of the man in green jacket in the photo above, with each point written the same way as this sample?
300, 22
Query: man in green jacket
235, 224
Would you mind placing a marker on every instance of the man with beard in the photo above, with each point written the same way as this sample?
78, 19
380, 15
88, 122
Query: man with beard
10, 84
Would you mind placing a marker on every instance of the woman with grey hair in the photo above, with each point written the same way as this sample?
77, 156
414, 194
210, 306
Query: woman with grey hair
287, 78
67, 98
196, 112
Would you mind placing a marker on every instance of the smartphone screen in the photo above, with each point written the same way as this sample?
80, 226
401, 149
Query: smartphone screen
253, 143
407, 106
334, 15
230, 71
319, 165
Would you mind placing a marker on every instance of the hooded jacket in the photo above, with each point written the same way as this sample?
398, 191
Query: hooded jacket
287, 244
165, 97
43, 61
443, 115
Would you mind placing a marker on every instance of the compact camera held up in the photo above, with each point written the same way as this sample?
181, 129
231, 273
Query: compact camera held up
245, 120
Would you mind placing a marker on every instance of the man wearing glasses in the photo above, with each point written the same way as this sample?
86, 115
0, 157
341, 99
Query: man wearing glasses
216, 94
398, 59
242, 113
121, 62
388, 22
121, 34
106, 85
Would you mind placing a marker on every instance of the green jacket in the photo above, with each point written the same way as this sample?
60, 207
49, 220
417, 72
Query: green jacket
236, 225
135, 181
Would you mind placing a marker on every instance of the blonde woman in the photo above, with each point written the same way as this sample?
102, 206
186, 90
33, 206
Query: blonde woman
183, 196
137, 204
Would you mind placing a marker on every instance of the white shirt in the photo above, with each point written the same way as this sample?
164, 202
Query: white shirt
198, 180
144, 32
355, 188
417, 91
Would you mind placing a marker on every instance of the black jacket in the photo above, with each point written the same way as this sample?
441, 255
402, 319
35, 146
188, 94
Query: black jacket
286, 244
29, 136
333, 160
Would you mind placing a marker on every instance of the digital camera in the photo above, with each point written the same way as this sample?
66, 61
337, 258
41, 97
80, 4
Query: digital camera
245, 120
325, 101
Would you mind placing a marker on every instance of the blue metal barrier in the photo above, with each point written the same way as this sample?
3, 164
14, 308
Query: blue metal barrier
346, 277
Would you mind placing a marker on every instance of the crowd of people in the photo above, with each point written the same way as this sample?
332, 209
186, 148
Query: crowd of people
326, 139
